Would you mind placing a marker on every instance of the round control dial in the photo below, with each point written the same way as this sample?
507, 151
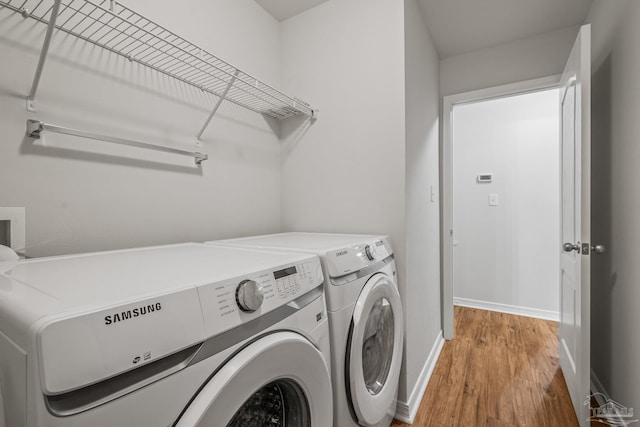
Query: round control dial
249, 296
371, 252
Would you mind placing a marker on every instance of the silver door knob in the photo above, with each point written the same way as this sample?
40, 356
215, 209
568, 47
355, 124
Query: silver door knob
568, 247
598, 249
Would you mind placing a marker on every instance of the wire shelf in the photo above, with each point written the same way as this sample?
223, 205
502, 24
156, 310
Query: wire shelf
112, 26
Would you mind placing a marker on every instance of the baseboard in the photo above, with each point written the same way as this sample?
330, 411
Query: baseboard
406, 411
510, 309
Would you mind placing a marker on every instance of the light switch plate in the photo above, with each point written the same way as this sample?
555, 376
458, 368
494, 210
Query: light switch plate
493, 199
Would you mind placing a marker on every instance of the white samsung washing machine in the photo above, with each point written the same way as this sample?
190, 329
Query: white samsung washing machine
184, 335
365, 319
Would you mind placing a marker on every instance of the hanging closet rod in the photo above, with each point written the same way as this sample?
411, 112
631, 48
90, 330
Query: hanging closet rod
35, 128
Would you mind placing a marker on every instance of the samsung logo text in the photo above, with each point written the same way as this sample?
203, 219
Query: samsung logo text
130, 314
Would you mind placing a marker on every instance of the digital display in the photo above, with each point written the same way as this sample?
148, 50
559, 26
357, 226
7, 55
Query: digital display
285, 272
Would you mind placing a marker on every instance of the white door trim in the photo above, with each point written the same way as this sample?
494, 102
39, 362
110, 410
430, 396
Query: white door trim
446, 175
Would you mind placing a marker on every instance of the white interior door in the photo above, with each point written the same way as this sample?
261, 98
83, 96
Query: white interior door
575, 286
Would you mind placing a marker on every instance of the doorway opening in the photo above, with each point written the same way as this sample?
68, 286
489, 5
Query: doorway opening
501, 207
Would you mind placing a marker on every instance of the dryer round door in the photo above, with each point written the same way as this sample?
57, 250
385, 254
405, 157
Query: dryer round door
375, 350
280, 380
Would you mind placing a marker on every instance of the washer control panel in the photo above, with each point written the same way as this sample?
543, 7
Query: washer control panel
348, 260
232, 302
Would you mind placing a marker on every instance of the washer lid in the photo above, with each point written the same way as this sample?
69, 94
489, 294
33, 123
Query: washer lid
104, 277
375, 350
343, 253
38, 289
281, 376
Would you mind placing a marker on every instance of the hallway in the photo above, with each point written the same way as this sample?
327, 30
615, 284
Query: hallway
500, 370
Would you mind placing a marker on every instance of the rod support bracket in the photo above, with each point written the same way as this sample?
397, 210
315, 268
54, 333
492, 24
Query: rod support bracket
199, 158
32, 105
34, 128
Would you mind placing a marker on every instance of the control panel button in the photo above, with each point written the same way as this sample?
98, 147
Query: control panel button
371, 252
249, 296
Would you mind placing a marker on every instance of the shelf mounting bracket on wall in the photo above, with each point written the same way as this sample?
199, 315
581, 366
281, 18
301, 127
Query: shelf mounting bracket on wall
215, 108
31, 99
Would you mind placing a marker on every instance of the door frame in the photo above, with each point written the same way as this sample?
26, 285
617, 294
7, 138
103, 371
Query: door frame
446, 175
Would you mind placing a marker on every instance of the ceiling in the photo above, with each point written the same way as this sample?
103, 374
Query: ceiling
285, 9
461, 26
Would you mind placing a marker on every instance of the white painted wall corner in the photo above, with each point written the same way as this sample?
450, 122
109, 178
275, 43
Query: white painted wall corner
406, 411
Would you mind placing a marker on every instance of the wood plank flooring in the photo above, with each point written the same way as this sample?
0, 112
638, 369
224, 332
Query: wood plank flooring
500, 370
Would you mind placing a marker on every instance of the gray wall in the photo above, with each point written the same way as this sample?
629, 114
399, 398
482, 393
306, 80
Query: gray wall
82, 195
615, 342
345, 172
353, 170
539, 56
422, 296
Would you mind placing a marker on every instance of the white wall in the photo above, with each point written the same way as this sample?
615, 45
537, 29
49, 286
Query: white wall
345, 172
422, 291
351, 171
538, 56
82, 195
507, 254
615, 199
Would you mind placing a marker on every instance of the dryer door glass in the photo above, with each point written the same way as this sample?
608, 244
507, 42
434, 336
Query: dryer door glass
377, 347
278, 404
374, 351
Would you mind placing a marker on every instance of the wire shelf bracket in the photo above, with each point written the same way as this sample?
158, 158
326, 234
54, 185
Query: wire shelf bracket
31, 99
215, 108
35, 128
118, 29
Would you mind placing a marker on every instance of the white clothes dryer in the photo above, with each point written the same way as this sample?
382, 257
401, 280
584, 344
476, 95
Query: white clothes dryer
365, 319
184, 335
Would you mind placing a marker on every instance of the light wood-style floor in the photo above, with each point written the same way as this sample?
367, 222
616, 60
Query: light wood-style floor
500, 370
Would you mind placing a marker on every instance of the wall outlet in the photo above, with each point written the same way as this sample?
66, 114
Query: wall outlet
13, 222
485, 177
